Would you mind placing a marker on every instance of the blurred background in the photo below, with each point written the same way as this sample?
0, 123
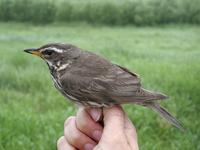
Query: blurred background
158, 39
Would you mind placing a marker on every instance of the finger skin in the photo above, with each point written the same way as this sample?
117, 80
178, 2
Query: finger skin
87, 125
113, 120
118, 133
63, 145
74, 136
113, 133
131, 134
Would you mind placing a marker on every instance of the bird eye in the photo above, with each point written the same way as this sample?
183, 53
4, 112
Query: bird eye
47, 52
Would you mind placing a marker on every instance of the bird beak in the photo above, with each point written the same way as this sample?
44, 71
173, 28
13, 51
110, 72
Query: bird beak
33, 51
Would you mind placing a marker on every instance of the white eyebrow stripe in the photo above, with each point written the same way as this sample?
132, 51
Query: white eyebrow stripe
54, 49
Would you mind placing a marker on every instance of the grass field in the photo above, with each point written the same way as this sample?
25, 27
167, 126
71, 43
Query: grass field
32, 111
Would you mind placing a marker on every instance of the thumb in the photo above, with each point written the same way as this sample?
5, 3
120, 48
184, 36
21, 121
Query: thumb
113, 121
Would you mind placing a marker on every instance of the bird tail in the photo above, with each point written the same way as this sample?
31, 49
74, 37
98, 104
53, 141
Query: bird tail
151, 95
166, 115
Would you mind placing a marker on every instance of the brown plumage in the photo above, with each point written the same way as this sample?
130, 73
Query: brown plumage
91, 80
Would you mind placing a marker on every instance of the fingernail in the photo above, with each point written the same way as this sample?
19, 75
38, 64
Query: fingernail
97, 135
88, 146
95, 114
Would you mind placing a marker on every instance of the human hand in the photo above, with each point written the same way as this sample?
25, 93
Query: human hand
86, 132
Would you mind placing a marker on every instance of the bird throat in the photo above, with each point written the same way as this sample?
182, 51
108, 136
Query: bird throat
57, 68
56, 71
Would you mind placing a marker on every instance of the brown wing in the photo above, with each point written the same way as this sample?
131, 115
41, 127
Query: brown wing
100, 81
115, 85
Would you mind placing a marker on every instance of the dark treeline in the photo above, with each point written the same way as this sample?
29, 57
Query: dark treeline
148, 12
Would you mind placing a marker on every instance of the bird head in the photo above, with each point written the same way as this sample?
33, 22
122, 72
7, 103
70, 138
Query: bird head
55, 53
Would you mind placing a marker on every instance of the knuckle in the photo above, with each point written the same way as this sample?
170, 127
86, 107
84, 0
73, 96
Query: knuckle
72, 134
82, 125
75, 136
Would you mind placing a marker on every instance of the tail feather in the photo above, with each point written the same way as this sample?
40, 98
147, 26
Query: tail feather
153, 95
165, 114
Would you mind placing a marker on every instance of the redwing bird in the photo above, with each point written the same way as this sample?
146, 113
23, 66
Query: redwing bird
90, 80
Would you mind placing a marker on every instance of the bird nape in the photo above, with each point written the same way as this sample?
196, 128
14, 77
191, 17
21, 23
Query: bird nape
92, 81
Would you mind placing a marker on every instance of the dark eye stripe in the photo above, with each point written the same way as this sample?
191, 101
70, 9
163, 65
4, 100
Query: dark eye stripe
47, 52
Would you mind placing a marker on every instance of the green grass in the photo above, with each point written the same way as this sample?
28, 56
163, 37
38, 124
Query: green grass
32, 111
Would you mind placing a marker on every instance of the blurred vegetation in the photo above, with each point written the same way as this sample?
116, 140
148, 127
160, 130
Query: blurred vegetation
114, 12
32, 111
